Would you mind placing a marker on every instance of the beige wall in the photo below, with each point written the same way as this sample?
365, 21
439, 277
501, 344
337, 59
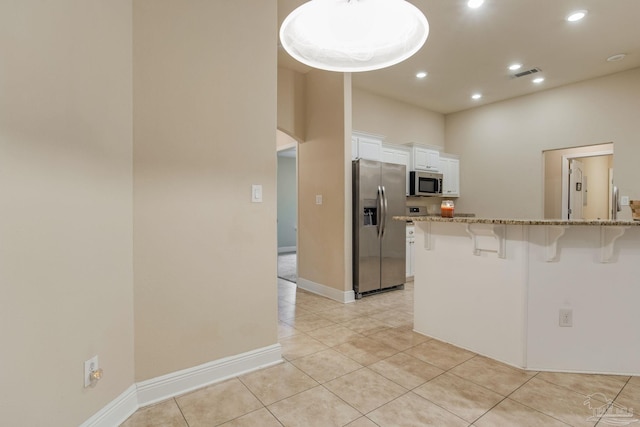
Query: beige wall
398, 122
284, 141
66, 207
205, 131
321, 171
500, 145
292, 103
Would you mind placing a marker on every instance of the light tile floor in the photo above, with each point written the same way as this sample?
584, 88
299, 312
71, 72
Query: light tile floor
361, 365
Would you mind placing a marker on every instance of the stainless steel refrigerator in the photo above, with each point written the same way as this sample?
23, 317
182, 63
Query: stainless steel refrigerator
379, 251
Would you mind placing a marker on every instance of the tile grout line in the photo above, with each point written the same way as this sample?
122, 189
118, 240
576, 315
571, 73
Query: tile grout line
612, 400
180, 409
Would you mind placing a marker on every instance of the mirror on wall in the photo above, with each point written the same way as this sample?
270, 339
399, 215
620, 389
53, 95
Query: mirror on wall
578, 182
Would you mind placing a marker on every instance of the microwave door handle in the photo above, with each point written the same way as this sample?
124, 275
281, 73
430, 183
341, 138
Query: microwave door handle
384, 212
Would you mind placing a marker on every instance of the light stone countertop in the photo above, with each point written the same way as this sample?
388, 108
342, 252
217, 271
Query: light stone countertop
473, 220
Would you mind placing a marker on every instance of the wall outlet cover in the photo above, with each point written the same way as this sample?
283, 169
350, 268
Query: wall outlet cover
89, 366
566, 317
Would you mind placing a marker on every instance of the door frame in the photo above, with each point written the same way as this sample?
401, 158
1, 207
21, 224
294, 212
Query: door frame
565, 175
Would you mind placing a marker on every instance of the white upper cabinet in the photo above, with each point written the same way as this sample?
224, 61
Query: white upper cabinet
399, 155
396, 154
424, 159
364, 146
450, 168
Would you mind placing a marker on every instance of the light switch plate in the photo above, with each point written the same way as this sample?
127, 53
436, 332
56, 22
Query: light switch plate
318, 199
624, 201
256, 193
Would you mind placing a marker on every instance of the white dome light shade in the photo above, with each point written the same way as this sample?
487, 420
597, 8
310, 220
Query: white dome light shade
354, 35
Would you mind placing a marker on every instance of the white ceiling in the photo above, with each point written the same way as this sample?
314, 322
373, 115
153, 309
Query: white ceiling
469, 50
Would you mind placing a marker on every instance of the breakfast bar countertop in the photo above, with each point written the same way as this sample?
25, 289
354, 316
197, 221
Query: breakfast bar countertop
507, 221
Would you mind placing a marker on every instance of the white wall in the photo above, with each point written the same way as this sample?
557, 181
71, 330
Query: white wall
500, 145
66, 272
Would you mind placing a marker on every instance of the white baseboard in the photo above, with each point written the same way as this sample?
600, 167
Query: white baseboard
116, 411
326, 291
180, 382
176, 383
284, 249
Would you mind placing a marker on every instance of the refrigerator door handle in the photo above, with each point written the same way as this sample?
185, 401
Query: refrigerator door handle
384, 212
379, 207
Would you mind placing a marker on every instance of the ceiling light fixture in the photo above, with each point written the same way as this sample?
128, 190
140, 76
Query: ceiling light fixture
514, 67
476, 96
538, 80
474, 4
354, 35
616, 57
577, 15
422, 74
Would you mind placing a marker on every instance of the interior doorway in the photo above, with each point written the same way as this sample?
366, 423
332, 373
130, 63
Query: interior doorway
578, 183
287, 214
577, 189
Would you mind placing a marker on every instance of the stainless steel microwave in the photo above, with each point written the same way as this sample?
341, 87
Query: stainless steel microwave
425, 183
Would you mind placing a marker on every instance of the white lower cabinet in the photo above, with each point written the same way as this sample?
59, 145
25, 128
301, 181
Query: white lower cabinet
411, 232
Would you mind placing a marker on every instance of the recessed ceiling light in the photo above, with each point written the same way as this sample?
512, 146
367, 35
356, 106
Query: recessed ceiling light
474, 4
421, 74
514, 67
616, 57
538, 80
476, 96
577, 15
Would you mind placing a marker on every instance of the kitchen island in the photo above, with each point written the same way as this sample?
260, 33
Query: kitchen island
537, 294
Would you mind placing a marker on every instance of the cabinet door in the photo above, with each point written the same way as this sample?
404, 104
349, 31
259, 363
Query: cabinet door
369, 148
410, 254
399, 156
433, 160
425, 159
450, 169
454, 177
390, 155
420, 158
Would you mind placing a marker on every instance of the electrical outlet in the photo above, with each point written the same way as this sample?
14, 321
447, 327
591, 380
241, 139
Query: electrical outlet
566, 317
90, 366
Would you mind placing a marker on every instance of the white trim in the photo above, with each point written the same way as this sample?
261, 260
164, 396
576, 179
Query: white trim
176, 383
326, 291
116, 411
180, 382
284, 249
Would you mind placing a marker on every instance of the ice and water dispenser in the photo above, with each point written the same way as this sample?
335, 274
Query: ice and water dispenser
370, 212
